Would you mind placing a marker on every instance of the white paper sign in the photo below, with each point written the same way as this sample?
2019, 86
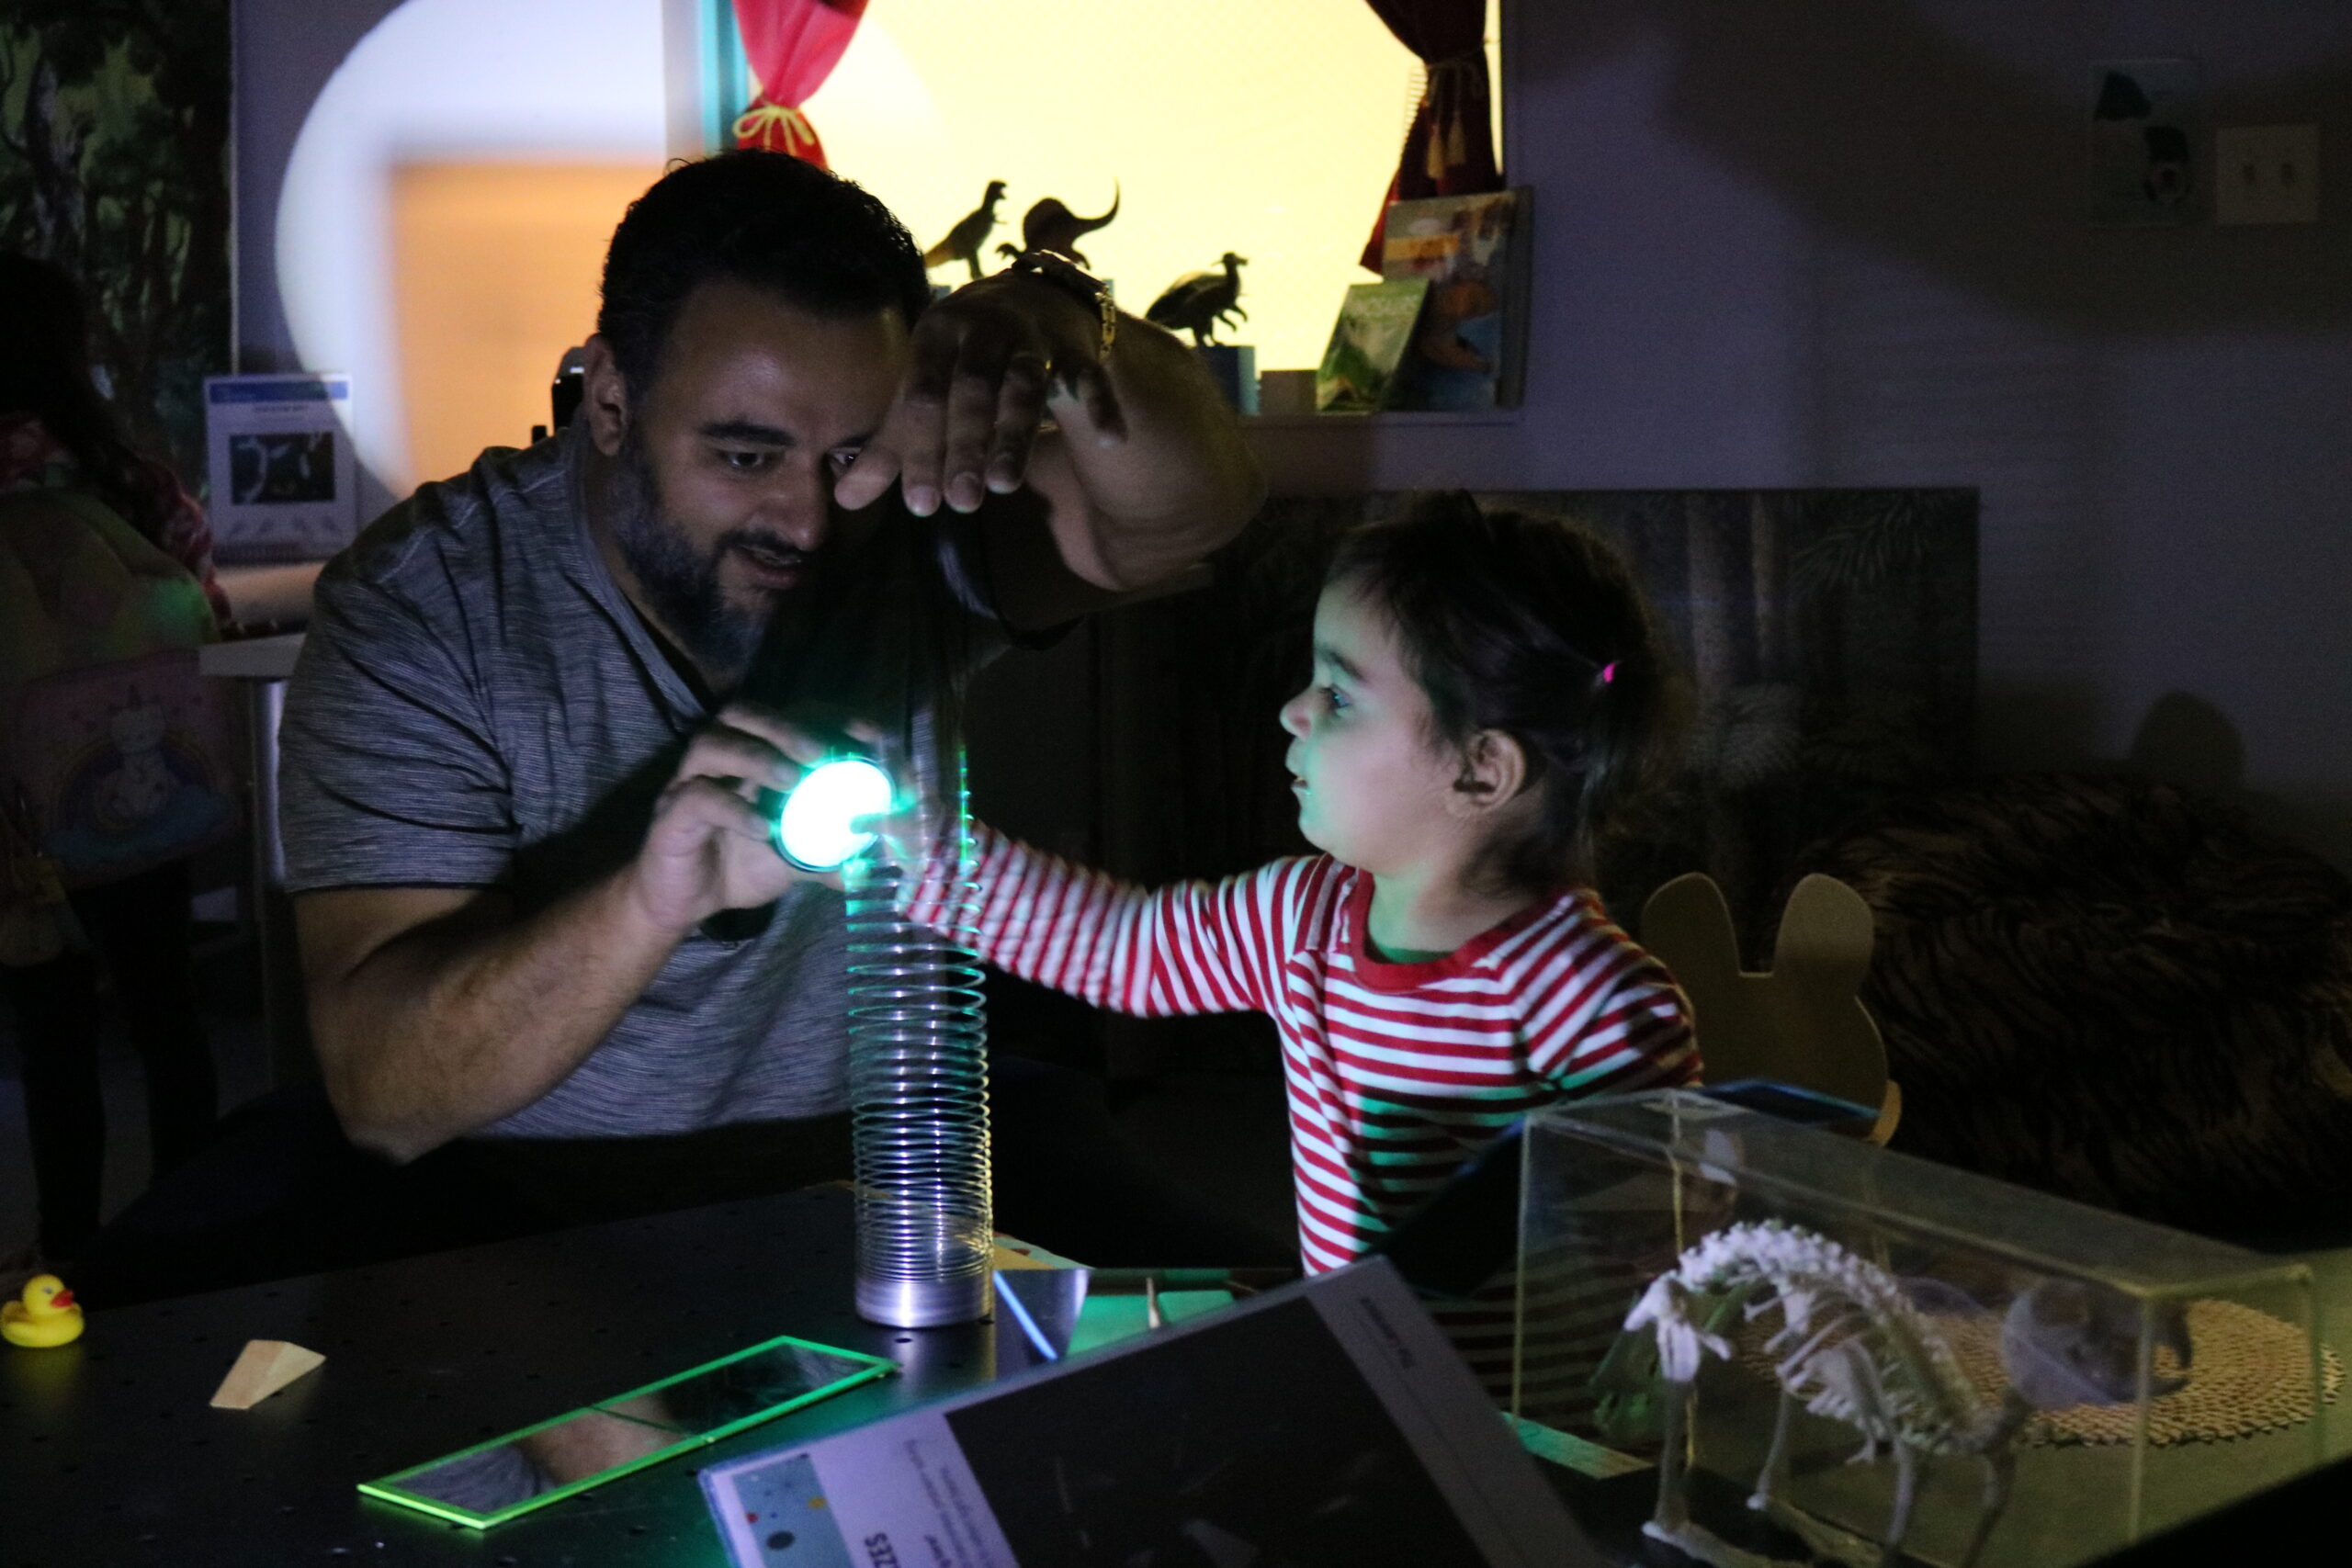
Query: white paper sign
1326, 1422
284, 485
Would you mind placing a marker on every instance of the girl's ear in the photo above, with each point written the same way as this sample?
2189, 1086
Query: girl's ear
1494, 773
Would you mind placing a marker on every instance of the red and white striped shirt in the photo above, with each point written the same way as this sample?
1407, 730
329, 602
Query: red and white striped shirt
1398, 1073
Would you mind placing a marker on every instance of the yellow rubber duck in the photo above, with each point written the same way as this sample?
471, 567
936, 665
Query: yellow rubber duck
47, 1316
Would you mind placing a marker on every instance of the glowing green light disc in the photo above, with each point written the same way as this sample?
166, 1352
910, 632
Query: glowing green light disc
812, 830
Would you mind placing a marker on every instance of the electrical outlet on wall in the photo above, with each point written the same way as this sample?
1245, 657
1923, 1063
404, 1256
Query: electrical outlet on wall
2267, 173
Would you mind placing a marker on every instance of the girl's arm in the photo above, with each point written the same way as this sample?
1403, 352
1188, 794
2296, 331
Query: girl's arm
1603, 1017
1190, 948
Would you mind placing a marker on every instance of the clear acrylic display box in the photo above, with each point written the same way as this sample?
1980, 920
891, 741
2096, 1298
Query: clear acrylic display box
2058, 1380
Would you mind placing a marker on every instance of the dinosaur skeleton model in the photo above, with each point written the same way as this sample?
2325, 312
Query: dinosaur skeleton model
1854, 1346
1050, 225
971, 232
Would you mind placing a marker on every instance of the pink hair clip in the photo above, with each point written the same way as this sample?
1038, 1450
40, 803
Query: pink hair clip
1609, 672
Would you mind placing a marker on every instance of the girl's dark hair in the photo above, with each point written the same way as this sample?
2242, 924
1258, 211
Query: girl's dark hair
767, 220
1530, 626
45, 370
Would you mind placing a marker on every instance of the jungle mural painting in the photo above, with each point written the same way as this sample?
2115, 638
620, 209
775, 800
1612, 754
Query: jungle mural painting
114, 145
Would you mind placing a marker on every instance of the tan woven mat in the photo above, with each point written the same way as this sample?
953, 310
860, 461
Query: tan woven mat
2250, 1373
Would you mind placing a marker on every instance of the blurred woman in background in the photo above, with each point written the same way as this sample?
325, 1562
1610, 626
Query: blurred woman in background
105, 559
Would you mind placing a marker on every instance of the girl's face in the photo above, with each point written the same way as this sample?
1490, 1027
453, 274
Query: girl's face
1372, 785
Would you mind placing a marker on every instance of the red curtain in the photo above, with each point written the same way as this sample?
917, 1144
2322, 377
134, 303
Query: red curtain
792, 45
1450, 150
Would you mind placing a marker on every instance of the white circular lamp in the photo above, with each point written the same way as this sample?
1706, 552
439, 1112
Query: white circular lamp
815, 826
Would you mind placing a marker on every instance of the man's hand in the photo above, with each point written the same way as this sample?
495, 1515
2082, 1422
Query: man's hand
438, 1010
709, 849
984, 363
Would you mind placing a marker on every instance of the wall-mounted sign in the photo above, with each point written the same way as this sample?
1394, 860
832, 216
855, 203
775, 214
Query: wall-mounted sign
284, 485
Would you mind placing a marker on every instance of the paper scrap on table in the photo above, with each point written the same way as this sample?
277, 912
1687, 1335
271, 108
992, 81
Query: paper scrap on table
262, 1368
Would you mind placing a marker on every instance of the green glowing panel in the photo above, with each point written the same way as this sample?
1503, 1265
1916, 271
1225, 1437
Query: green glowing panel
513, 1475
814, 829
1106, 1319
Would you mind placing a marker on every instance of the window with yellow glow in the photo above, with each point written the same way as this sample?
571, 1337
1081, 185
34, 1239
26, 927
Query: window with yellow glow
1267, 128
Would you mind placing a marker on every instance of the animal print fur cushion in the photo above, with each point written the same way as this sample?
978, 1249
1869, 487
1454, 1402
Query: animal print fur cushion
2116, 991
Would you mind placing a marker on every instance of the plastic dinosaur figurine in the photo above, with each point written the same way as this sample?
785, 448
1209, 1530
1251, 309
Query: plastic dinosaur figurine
1198, 301
1854, 1346
1051, 226
971, 232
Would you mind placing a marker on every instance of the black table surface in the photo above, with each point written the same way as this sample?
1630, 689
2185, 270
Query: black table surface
111, 1454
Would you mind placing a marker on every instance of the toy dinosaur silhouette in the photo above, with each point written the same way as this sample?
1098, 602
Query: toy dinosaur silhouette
1198, 301
971, 232
1052, 225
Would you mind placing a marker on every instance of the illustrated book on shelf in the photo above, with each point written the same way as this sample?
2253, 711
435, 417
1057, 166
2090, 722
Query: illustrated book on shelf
1368, 343
1469, 350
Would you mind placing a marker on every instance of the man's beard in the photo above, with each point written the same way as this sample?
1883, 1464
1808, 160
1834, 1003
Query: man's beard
681, 587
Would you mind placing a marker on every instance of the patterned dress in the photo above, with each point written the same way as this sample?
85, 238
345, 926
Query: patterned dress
32, 460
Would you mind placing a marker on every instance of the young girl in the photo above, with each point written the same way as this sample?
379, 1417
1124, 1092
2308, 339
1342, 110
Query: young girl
1487, 689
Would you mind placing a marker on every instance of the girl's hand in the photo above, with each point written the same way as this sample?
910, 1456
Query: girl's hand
908, 830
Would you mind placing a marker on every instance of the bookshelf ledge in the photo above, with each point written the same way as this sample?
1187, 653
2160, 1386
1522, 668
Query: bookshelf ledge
1405, 418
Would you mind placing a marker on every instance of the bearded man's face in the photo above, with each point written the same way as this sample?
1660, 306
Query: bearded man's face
724, 474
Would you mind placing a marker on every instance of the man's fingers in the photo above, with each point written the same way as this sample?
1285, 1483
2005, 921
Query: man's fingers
797, 745
913, 430
1087, 383
739, 760
968, 414
869, 478
971, 417
1021, 404
933, 370
706, 803
703, 816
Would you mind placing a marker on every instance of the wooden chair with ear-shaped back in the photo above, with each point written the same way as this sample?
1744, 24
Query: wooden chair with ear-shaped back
1803, 1023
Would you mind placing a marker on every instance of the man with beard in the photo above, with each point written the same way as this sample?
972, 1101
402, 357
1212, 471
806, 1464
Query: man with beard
541, 920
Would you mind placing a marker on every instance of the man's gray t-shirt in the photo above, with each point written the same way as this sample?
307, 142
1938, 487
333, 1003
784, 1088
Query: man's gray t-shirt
478, 703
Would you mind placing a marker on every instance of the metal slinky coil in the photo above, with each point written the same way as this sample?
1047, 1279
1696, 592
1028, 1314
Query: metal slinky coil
879, 643
918, 1083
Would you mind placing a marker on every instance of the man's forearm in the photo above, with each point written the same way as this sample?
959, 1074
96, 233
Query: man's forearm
1182, 483
469, 1017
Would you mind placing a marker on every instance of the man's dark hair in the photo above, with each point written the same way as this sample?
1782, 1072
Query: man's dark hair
1534, 626
810, 238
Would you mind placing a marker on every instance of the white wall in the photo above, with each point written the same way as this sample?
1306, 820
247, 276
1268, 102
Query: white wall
1841, 243
334, 94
